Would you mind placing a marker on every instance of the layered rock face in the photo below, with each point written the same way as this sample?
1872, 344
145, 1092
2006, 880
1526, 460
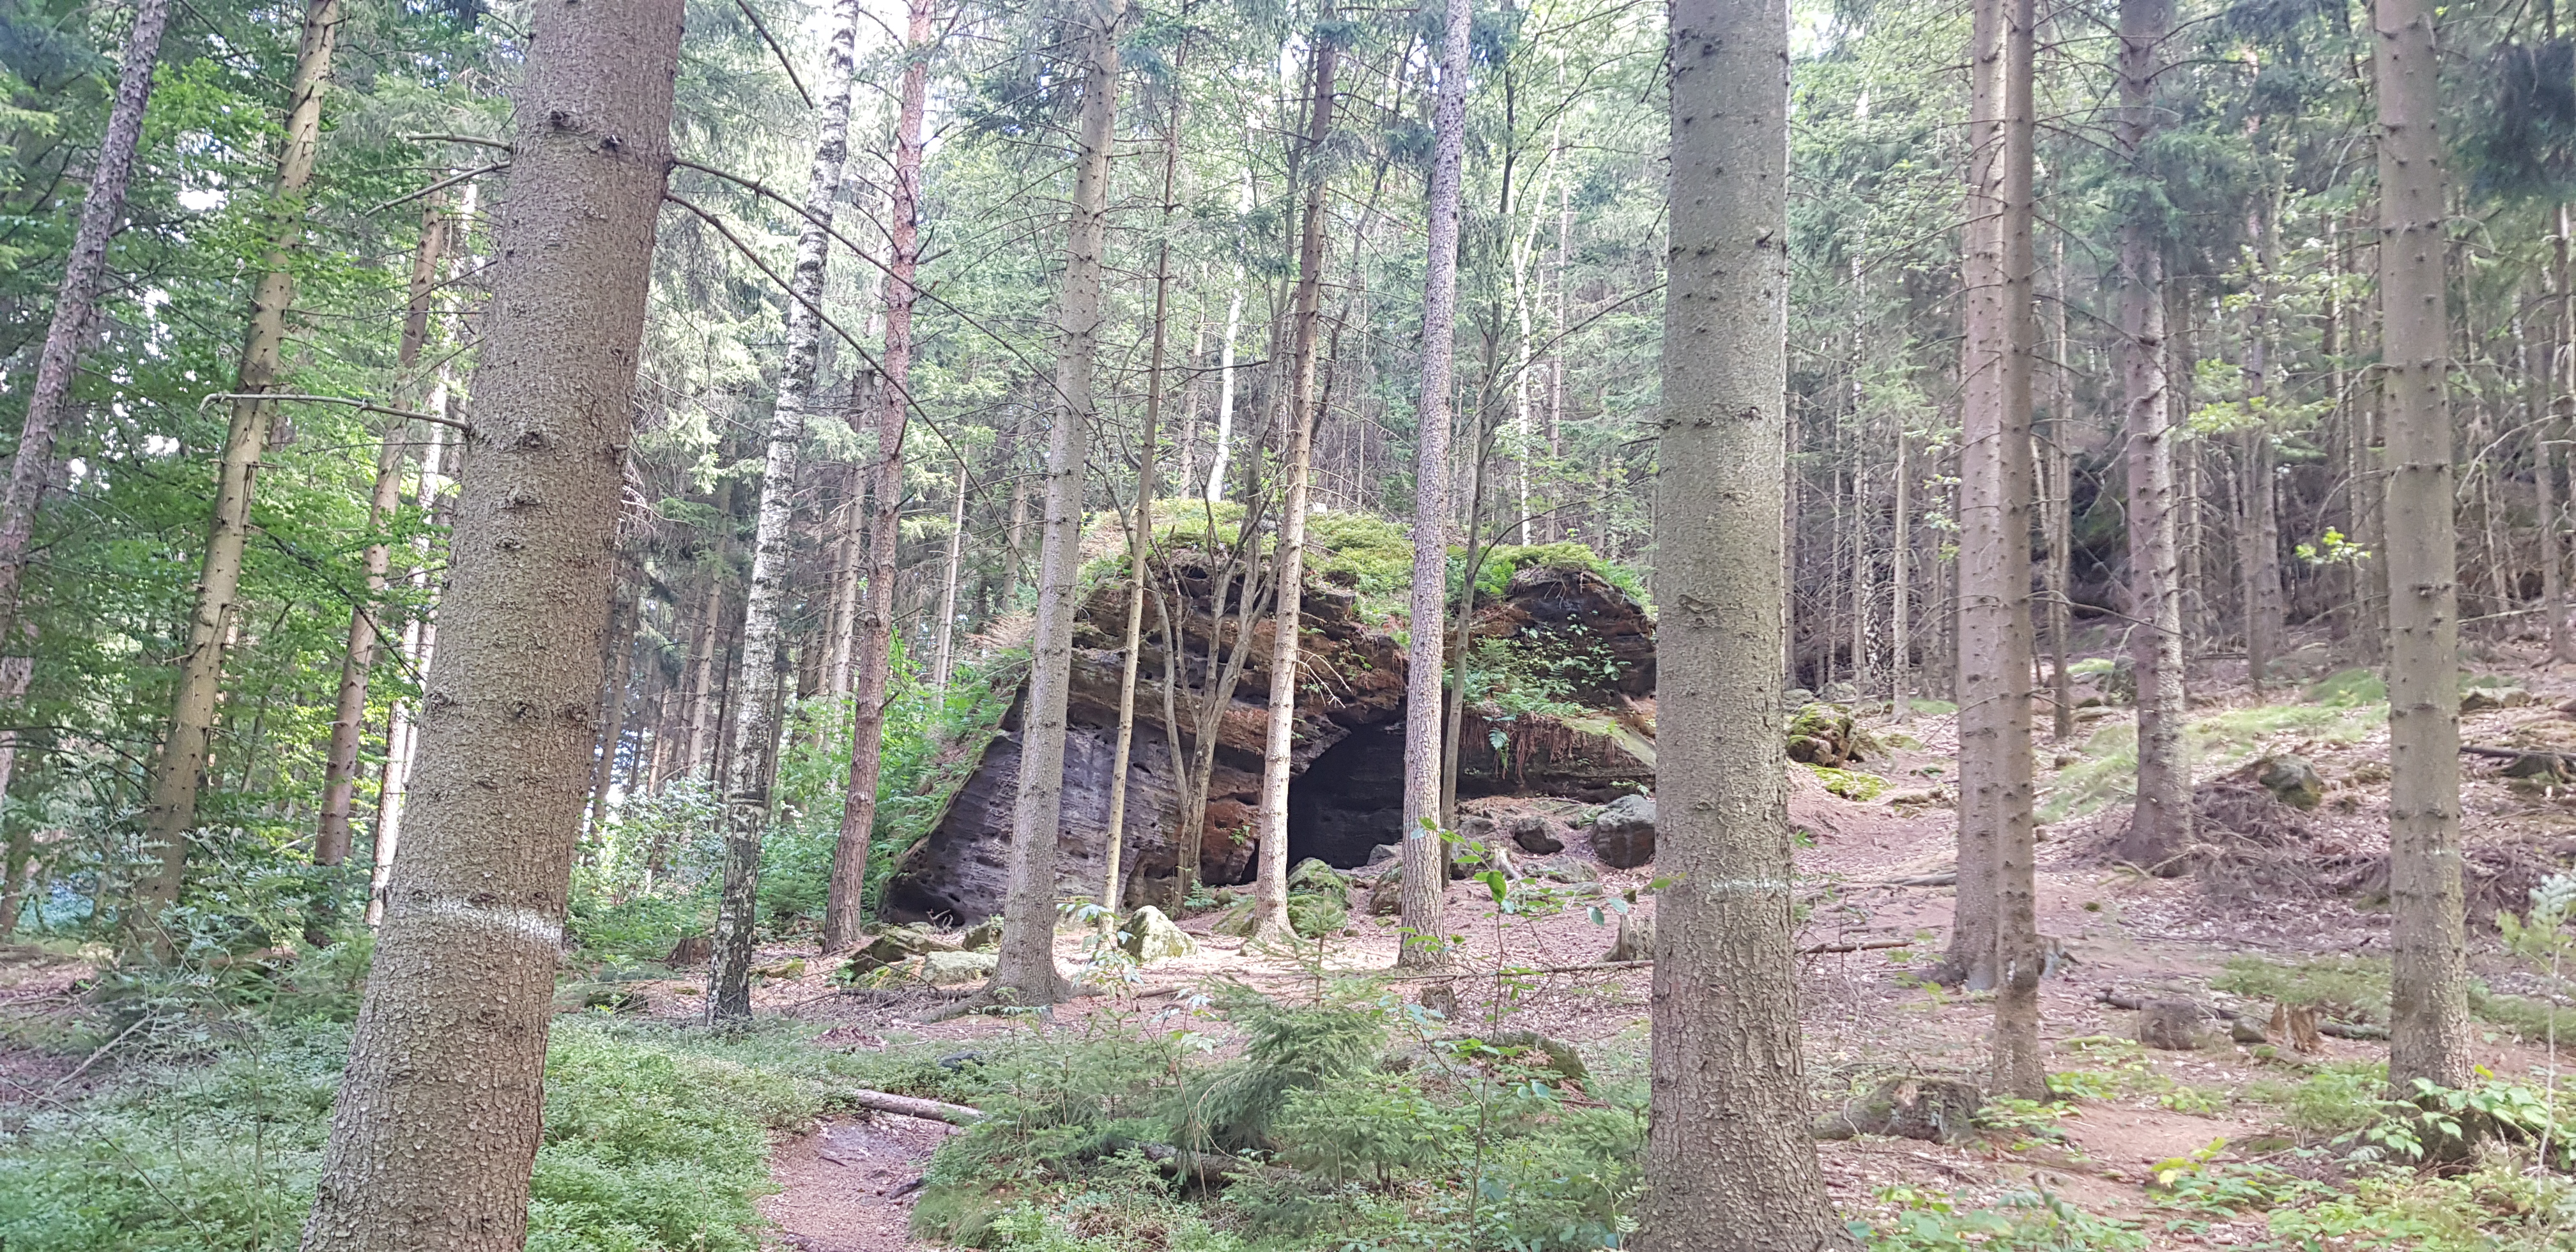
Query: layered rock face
1346, 757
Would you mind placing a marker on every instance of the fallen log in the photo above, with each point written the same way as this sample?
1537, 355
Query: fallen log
1865, 945
912, 1106
2352, 1030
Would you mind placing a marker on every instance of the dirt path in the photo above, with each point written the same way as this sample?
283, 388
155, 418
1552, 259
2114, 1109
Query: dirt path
849, 1186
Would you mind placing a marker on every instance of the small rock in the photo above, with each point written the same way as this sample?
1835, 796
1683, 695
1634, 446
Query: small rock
1624, 835
984, 934
793, 967
1148, 936
1536, 835
1561, 1055
2247, 1030
1796, 698
1937, 1110
2173, 1025
947, 969
2483, 699
1566, 871
1383, 853
2291, 780
1841, 692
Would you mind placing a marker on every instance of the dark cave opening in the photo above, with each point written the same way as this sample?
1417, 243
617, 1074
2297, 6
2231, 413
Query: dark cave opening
1350, 800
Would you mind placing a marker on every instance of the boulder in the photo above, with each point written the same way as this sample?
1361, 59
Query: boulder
894, 947
1386, 895
2173, 1025
1536, 835
2291, 780
1561, 1056
948, 969
1937, 1110
1623, 836
984, 934
1148, 936
1384, 853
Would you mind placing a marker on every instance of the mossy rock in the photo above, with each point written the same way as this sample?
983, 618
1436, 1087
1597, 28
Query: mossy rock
1937, 1110
1850, 784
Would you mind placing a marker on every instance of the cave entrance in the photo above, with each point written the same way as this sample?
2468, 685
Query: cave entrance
1350, 800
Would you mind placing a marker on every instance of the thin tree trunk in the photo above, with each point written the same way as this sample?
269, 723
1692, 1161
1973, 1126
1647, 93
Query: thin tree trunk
875, 654
763, 672
2428, 1011
1730, 1162
1141, 532
1425, 869
179, 771
1900, 687
1027, 971
439, 1114
420, 644
626, 617
848, 554
947, 638
1270, 887
2560, 393
701, 713
2160, 822
75, 303
348, 724
2061, 510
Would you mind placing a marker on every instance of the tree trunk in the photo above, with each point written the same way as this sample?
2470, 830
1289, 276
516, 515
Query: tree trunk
2000, 610
626, 618
1426, 875
420, 644
439, 1113
2160, 822
2061, 511
2428, 1011
2560, 392
1270, 887
1993, 579
348, 725
1140, 534
701, 712
1730, 1162
1900, 687
763, 672
848, 553
1027, 971
178, 772
871, 667
75, 303
945, 656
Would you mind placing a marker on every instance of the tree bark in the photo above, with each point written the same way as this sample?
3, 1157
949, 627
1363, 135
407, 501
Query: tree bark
1270, 886
701, 713
2428, 1010
420, 644
179, 770
1027, 972
2160, 821
2061, 510
626, 618
75, 304
872, 664
1730, 1162
763, 670
1900, 686
2560, 390
439, 1113
1425, 868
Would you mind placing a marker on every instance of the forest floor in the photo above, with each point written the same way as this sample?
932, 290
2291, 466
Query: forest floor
1868, 1013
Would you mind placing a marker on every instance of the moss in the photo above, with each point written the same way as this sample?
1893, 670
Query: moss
2348, 687
1504, 560
1850, 784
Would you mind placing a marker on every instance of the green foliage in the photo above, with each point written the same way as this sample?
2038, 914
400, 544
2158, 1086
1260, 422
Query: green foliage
1503, 560
655, 1139
1924, 1221
2354, 988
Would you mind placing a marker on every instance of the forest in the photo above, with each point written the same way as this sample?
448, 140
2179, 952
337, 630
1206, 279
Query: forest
1286, 626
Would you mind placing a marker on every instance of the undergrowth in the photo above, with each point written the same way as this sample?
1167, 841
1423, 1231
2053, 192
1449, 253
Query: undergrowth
655, 1138
2105, 771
